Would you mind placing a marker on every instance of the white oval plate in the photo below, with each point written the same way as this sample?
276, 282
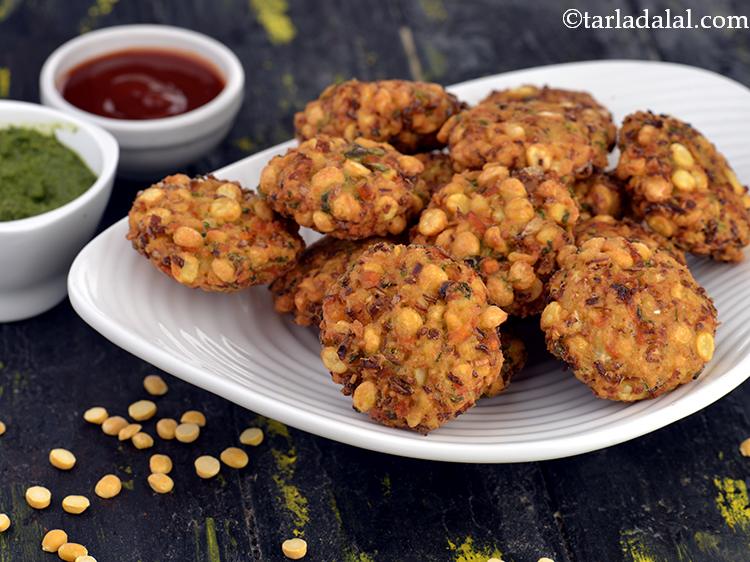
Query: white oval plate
238, 347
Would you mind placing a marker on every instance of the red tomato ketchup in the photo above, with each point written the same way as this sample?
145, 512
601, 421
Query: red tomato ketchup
142, 84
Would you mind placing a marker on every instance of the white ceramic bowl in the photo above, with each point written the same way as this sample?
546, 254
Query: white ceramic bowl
152, 146
36, 252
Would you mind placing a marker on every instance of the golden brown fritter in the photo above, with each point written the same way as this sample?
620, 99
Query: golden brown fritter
348, 189
601, 194
507, 226
403, 113
631, 322
410, 335
594, 114
438, 171
301, 289
212, 234
604, 226
683, 187
514, 359
521, 134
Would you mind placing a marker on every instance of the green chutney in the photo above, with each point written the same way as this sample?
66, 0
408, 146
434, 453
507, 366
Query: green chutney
38, 173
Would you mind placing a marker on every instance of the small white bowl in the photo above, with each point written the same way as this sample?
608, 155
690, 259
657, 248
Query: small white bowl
36, 252
152, 146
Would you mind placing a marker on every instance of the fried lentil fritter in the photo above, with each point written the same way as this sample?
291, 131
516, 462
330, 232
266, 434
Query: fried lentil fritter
301, 289
631, 322
601, 194
521, 134
438, 171
604, 226
507, 226
409, 333
514, 359
348, 189
403, 113
212, 234
683, 187
592, 112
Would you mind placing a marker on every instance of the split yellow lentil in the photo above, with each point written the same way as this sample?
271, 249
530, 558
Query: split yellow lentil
155, 385
113, 425
682, 186
348, 189
160, 464
128, 431
142, 440
294, 549
4, 522
142, 410
75, 504
85, 558
2, 428
403, 113
302, 289
160, 483
71, 550
533, 133
62, 459
207, 466
194, 416
214, 235
420, 351
234, 457
108, 487
53, 540
38, 497
187, 432
510, 226
745, 447
165, 428
252, 436
631, 322
96, 415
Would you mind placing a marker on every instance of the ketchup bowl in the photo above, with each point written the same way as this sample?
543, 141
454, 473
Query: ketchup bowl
174, 125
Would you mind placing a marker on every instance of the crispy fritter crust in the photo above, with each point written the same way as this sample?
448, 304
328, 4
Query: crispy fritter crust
212, 234
631, 323
507, 226
601, 194
683, 187
410, 335
514, 359
438, 171
348, 189
301, 289
403, 113
521, 134
604, 226
592, 112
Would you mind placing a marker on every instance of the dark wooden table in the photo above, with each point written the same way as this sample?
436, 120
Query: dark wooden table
676, 495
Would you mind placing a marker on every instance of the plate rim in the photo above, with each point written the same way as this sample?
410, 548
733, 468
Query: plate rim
394, 442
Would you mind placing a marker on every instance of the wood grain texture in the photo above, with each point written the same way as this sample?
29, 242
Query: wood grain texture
676, 495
